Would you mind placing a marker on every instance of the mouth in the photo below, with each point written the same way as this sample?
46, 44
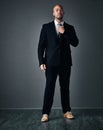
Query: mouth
59, 15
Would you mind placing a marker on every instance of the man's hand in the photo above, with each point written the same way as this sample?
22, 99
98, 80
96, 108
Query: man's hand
43, 67
61, 29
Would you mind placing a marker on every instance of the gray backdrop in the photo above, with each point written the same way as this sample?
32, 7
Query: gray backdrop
22, 83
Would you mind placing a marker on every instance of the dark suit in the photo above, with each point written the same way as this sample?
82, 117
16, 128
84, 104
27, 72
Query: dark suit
54, 51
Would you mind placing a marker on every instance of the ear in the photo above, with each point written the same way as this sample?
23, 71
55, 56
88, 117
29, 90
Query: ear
53, 13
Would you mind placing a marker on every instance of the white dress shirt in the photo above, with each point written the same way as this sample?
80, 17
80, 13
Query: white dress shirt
58, 24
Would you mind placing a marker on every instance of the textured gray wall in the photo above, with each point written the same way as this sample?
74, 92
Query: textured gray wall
21, 81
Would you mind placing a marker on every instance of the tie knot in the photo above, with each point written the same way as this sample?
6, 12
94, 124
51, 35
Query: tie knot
59, 24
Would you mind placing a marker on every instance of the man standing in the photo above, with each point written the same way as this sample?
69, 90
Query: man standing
54, 56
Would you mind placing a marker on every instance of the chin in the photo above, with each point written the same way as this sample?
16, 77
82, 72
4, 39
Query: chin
60, 18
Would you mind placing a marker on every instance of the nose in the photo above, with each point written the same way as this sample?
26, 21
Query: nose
59, 11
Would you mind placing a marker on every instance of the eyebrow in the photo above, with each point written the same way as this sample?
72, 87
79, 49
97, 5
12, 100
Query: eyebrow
58, 8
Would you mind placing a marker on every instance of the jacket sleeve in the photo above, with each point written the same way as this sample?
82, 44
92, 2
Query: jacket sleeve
70, 36
42, 45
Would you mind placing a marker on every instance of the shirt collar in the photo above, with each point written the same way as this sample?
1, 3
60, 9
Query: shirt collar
56, 23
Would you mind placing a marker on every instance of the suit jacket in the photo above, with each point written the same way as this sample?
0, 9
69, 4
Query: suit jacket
55, 50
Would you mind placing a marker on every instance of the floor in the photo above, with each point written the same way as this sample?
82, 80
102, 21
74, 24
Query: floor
85, 119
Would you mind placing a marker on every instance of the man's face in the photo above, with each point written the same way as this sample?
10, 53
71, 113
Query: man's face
58, 12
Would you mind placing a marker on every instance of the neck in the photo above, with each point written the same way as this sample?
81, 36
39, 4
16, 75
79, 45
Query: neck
59, 20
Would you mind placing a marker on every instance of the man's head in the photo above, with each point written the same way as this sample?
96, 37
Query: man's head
58, 12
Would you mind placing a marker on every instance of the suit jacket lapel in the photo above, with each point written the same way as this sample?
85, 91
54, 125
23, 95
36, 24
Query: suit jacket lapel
65, 26
53, 28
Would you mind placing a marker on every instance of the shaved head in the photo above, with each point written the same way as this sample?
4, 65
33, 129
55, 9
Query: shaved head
58, 5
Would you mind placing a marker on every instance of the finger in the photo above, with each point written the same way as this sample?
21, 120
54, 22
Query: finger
44, 66
41, 67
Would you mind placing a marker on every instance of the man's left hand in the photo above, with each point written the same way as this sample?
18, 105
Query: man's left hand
61, 29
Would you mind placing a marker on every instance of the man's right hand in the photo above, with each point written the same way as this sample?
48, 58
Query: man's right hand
43, 67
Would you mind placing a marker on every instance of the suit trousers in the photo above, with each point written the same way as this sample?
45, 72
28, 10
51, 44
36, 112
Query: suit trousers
51, 74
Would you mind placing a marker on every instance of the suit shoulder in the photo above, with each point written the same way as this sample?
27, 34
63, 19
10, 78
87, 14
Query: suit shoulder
69, 25
48, 24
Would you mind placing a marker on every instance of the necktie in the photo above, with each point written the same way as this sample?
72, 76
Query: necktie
59, 24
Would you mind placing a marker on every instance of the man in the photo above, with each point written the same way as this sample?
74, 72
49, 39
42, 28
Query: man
54, 56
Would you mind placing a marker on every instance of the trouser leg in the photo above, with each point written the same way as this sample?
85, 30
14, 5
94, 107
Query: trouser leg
51, 75
64, 79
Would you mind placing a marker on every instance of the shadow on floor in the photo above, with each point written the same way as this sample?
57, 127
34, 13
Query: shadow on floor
86, 119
